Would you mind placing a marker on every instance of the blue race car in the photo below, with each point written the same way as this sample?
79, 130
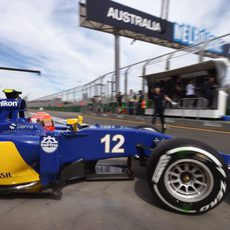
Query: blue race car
185, 175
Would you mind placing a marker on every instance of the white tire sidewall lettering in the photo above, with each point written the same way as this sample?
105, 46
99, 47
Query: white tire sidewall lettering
164, 162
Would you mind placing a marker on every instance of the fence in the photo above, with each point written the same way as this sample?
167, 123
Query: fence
134, 107
104, 85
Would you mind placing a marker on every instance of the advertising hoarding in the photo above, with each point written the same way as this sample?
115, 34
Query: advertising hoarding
111, 17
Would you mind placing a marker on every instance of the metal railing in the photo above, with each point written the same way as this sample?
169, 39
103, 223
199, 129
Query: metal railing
136, 108
104, 85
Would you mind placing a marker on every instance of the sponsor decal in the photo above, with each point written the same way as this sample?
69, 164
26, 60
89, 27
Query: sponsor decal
25, 126
162, 163
219, 197
5, 175
221, 170
8, 103
157, 140
49, 144
12, 126
190, 35
133, 19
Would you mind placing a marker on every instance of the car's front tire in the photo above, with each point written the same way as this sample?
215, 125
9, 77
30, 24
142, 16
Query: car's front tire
149, 127
187, 176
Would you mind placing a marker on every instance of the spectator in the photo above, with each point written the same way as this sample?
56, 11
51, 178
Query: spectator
158, 99
162, 86
190, 92
99, 104
178, 91
208, 90
169, 87
131, 103
190, 89
119, 98
131, 94
140, 98
96, 104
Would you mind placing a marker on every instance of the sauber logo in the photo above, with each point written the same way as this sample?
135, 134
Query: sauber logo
49, 144
8, 103
5, 175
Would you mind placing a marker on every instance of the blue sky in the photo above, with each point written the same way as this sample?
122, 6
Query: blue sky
45, 35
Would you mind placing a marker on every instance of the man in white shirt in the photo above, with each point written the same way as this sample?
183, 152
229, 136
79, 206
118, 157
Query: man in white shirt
190, 89
190, 92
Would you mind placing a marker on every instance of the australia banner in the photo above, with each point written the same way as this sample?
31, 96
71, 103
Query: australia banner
122, 17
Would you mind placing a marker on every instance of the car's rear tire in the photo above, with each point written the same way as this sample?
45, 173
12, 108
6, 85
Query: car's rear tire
187, 176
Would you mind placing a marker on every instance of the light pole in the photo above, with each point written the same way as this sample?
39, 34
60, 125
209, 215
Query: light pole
164, 9
117, 62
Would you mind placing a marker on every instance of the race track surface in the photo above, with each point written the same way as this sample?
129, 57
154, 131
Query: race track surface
113, 205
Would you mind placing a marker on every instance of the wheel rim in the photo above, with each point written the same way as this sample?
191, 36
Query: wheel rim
188, 180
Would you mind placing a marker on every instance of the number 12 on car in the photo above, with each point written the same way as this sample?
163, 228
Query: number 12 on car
119, 142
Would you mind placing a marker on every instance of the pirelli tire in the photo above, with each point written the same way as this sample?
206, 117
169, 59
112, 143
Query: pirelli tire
187, 176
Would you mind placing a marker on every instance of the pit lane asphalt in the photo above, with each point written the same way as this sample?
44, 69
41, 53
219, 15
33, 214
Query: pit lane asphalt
112, 204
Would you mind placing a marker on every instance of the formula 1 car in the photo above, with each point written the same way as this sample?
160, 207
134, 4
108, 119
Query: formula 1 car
186, 175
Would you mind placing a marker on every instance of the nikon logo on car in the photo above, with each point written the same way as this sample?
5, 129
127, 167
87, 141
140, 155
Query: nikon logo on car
5, 175
8, 103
